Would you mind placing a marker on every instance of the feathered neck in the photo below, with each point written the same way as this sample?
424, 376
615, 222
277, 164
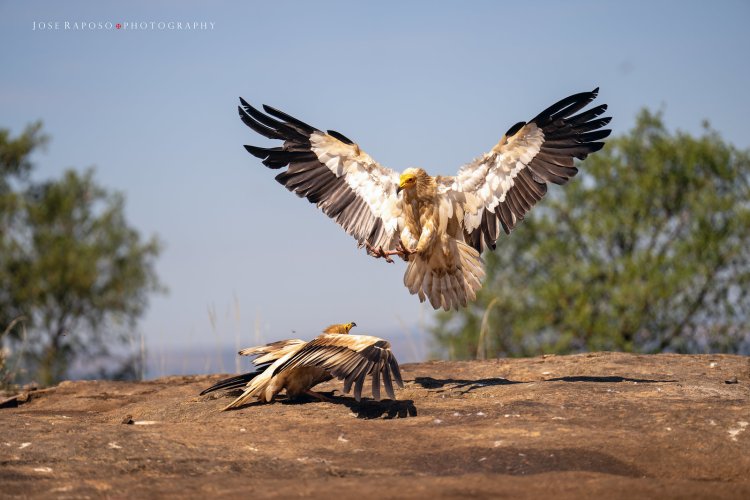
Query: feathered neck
426, 187
341, 329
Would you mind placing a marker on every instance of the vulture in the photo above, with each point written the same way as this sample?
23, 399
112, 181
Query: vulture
297, 366
438, 224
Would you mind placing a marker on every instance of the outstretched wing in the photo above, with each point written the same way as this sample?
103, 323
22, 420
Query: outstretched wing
271, 352
350, 358
331, 171
498, 188
266, 356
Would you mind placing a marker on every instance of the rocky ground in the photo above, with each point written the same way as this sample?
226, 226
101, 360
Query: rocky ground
593, 425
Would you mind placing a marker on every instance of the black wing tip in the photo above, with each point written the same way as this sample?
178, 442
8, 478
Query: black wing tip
235, 382
290, 121
340, 136
270, 109
515, 128
256, 151
249, 108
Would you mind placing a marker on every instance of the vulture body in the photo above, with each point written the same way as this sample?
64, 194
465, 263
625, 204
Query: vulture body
296, 366
439, 225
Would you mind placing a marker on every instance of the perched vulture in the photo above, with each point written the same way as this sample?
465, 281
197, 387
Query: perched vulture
297, 366
440, 225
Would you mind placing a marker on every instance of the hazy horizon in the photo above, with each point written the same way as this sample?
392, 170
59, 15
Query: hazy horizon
429, 84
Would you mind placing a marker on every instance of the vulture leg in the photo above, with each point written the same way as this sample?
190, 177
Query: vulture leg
404, 252
318, 395
400, 250
379, 253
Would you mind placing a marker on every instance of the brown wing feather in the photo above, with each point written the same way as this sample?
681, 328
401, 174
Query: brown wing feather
504, 184
331, 171
267, 354
268, 348
350, 358
271, 352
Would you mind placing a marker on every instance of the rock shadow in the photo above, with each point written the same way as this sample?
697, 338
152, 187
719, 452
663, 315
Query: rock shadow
433, 383
522, 461
607, 379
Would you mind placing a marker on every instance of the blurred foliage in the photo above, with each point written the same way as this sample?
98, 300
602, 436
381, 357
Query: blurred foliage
647, 250
74, 275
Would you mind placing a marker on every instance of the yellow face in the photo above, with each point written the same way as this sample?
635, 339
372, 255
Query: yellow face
349, 326
407, 180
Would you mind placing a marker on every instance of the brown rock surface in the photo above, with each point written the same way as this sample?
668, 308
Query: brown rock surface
592, 425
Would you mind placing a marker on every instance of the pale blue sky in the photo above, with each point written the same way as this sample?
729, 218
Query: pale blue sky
429, 84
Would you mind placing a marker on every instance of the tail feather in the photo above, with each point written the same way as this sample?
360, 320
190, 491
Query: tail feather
265, 383
236, 382
261, 387
448, 285
243, 398
457, 285
423, 291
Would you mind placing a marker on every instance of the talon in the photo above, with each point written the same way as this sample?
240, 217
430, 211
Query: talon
403, 251
378, 253
385, 255
371, 250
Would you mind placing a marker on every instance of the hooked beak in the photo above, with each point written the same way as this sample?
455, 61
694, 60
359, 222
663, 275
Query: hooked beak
402, 182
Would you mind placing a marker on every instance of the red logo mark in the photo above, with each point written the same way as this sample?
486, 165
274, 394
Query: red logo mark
118, 26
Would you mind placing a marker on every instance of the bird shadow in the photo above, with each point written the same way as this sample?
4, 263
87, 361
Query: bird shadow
388, 409
364, 409
433, 383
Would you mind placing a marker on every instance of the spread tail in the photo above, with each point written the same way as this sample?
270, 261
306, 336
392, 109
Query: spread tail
255, 388
237, 382
449, 280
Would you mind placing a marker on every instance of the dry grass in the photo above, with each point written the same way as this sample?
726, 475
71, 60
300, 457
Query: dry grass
10, 362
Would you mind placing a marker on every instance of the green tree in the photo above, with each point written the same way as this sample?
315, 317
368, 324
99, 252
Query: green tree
647, 250
15, 166
72, 268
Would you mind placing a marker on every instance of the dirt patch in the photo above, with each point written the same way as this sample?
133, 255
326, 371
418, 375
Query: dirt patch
600, 424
